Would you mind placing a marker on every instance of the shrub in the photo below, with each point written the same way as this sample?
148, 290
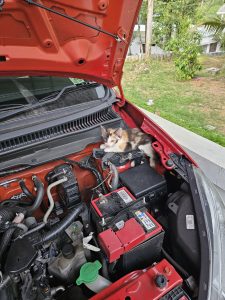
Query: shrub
186, 48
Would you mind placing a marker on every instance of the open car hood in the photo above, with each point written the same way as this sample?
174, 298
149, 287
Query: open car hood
36, 41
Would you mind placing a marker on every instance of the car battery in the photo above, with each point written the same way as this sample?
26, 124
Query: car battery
144, 181
128, 233
106, 207
159, 282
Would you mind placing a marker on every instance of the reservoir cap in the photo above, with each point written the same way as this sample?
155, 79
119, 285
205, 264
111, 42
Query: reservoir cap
89, 272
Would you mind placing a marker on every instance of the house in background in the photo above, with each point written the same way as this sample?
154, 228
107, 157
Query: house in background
137, 46
208, 42
221, 11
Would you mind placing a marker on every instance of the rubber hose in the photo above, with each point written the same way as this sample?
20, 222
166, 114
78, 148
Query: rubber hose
96, 173
14, 201
61, 226
115, 179
7, 214
6, 238
37, 228
98, 177
25, 190
39, 197
4, 282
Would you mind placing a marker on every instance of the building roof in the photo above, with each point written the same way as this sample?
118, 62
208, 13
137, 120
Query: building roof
140, 27
221, 11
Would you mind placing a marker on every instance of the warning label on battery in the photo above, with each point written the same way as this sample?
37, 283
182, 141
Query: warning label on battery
145, 220
124, 196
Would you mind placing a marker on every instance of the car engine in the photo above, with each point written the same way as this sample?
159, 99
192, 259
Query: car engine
85, 225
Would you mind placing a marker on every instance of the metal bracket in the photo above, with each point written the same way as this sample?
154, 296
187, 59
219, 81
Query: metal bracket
179, 165
88, 246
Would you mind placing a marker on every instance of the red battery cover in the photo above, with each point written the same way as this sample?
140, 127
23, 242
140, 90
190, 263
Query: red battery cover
132, 234
142, 284
110, 244
94, 205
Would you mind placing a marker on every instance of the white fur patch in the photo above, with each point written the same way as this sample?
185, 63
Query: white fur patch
148, 150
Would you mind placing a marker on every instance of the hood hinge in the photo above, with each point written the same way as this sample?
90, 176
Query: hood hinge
122, 100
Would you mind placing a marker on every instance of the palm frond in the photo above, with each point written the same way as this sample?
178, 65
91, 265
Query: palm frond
216, 25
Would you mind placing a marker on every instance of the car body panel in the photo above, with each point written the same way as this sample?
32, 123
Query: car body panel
39, 42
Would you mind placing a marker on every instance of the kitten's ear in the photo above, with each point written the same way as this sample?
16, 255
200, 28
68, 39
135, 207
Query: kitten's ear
104, 132
119, 132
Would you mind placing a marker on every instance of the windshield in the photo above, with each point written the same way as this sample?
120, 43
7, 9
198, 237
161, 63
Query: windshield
30, 96
19, 91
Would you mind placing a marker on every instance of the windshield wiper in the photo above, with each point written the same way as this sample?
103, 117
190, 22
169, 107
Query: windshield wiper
50, 98
31, 99
57, 94
11, 106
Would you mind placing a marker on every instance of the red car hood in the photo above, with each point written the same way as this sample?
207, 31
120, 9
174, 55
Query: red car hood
36, 41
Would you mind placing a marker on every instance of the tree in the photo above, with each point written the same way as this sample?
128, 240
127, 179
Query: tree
149, 26
174, 31
185, 49
169, 18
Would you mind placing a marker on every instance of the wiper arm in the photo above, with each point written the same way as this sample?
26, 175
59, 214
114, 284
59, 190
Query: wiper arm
31, 99
56, 95
116, 37
41, 102
10, 106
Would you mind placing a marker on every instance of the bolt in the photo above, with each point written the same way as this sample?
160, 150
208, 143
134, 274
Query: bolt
169, 163
167, 270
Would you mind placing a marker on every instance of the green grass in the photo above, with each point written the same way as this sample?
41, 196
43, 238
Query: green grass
192, 104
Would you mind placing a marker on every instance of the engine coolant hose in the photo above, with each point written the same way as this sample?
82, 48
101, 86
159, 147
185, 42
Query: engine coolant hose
39, 197
15, 213
25, 190
6, 238
7, 214
57, 229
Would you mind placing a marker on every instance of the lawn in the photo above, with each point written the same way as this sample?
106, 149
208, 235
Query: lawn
198, 104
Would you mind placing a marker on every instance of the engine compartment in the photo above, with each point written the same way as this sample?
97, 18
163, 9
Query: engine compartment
98, 225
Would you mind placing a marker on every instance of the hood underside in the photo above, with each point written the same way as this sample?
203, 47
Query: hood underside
40, 40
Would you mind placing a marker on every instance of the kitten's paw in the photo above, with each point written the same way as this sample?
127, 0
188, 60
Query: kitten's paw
102, 146
152, 163
132, 164
107, 149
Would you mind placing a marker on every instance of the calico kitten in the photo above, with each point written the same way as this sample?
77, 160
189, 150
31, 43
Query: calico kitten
122, 140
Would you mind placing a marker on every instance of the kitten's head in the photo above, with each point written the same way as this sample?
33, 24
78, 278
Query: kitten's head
111, 136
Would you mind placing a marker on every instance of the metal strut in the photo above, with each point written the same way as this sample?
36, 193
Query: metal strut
116, 37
